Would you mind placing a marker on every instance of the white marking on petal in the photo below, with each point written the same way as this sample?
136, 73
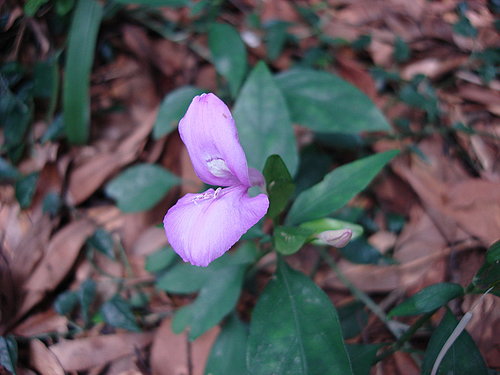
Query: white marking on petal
218, 168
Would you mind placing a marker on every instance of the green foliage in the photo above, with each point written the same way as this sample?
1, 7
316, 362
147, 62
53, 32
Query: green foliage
7, 171
428, 299
326, 103
401, 50
279, 185
80, 56
489, 274
102, 241
263, 121
337, 188
156, 3
275, 38
160, 259
66, 302
361, 252
8, 353
362, 357
118, 313
463, 357
289, 240
32, 6
228, 53
86, 295
25, 189
218, 295
227, 356
172, 108
353, 319
140, 187
295, 329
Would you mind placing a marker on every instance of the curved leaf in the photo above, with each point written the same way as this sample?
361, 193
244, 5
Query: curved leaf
326, 103
295, 330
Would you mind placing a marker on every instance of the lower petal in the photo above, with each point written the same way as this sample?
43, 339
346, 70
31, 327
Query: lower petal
202, 227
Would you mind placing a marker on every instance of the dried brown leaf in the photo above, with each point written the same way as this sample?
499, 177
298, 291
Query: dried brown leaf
43, 360
85, 353
169, 354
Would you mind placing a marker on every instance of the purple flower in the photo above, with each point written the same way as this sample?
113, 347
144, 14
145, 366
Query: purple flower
202, 227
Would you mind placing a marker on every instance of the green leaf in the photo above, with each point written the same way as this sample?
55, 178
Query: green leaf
117, 313
66, 302
279, 185
218, 295
7, 171
401, 50
295, 330
32, 6
64, 6
228, 53
8, 353
489, 273
156, 3
86, 295
337, 188
353, 319
263, 121
52, 204
184, 279
428, 299
25, 189
140, 187
361, 252
216, 299
289, 240
362, 357
275, 38
462, 358
160, 259
227, 356
172, 108
102, 241
326, 103
80, 56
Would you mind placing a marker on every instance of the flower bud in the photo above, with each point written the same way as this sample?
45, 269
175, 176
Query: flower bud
336, 238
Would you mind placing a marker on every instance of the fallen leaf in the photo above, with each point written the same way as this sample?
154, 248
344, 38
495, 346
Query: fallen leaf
61, 254
43, 360
169, 354
85, 353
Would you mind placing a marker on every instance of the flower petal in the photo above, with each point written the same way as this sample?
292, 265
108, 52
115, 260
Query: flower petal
209, 133
202, 227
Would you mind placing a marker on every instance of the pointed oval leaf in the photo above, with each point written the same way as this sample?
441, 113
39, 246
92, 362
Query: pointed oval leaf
462, 358
227, 356
337, 188
228, 53
326, 103
172, 108
140, 187
8, 353
428, 299
295, 330
160, 259
117, 313
263, 121
217, 298
279, 185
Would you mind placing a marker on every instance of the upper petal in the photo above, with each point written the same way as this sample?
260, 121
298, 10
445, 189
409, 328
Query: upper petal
202, 227
209, 133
